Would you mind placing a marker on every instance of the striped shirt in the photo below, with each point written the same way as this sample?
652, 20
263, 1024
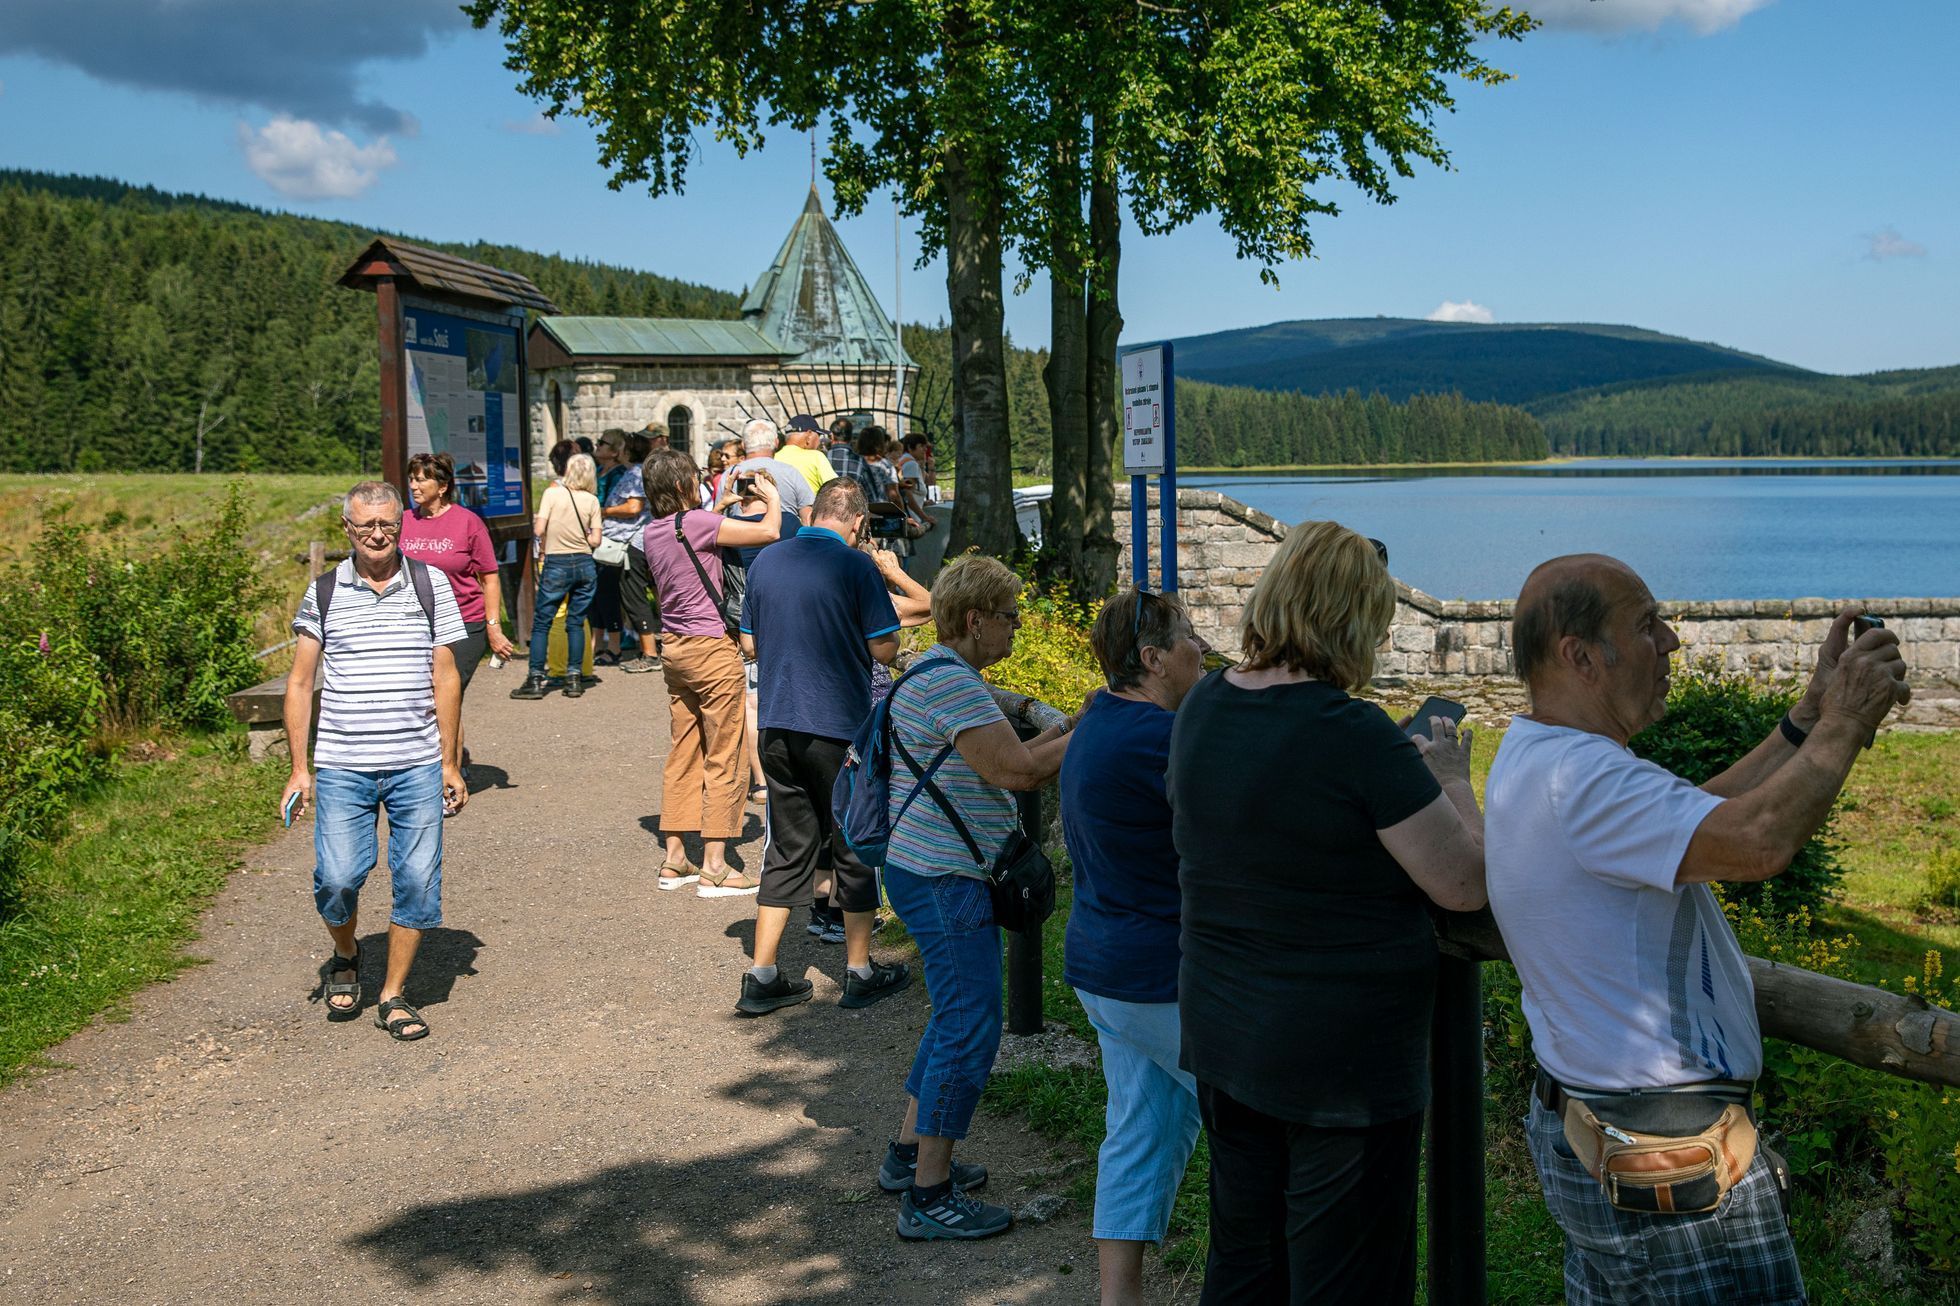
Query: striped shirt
933, 705
377, 692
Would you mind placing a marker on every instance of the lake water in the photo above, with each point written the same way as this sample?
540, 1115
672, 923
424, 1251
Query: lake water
1701, 529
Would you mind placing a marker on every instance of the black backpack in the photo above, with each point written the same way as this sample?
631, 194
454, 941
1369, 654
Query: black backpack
418, 576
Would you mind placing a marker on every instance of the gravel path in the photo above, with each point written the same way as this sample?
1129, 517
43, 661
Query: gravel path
589, 1121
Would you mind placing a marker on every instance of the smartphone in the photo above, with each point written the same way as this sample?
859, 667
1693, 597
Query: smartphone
1434, 706
291, 807
1864, 622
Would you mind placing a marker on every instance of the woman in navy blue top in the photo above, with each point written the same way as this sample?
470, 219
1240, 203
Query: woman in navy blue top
1122, 951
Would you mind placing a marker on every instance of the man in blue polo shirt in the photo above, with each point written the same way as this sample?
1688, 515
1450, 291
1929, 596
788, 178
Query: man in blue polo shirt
816, 618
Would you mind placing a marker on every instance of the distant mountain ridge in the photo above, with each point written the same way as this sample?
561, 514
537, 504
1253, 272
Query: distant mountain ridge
1598, 388
1510, 362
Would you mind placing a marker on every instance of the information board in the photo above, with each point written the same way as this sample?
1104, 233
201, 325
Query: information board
1146, 410
463, 400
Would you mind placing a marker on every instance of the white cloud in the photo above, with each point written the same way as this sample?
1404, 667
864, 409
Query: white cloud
536, 125
1467, 310
1703, 16
1888, 243
299, 158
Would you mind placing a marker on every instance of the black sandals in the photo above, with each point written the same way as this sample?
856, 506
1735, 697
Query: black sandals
329, 990
403, 1016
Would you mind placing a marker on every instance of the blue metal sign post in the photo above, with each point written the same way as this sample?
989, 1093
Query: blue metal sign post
1150, 445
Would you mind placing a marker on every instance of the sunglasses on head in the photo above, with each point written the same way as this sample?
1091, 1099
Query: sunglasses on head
1381, 550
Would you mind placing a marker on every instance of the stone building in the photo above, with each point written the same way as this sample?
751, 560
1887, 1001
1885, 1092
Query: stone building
812, 339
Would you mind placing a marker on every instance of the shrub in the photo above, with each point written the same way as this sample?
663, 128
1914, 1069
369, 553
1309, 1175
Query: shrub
1713, 719
97, 643
1941, 896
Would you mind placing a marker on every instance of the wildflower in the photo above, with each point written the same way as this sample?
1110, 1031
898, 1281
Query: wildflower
44, 644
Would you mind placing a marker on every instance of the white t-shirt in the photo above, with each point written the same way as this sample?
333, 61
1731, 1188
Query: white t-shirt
1629, 981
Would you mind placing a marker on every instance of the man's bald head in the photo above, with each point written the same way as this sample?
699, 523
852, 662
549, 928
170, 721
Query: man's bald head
1573, 595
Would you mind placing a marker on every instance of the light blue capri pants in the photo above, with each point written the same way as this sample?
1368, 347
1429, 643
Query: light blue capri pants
1152, 1119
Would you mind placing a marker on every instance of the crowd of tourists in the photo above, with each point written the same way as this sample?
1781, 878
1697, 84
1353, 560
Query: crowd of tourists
1256, 852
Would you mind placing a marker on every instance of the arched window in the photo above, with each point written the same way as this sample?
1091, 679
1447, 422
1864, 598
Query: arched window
680, 429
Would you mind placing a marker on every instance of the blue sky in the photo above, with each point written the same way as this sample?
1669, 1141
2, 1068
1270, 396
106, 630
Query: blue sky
1775, 175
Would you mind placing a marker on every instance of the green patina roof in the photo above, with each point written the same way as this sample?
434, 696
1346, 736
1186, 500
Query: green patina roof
815, 301
673, 337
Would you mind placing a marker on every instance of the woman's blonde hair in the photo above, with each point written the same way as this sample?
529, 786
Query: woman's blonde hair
972, 582
581, 473
1323, 606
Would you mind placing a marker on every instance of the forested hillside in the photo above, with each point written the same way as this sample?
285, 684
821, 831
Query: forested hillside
1509, 362
1884, 414
1229, 426
131, 321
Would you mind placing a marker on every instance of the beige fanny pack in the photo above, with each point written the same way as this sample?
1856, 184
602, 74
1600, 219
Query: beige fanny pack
1661, 1152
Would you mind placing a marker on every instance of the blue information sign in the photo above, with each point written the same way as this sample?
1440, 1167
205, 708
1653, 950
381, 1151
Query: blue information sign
463, 400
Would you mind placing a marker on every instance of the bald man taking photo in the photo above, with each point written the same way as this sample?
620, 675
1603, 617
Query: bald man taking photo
1641, 1008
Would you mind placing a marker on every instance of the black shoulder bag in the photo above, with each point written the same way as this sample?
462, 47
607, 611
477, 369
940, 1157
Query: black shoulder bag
726, 604
1021, 880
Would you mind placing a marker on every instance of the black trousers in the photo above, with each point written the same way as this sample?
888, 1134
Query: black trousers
637, 598
604, 613
469, 650
800, 770
1302, 1214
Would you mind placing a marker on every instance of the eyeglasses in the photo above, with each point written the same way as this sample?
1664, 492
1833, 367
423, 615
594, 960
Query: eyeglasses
386, 528
1013, 618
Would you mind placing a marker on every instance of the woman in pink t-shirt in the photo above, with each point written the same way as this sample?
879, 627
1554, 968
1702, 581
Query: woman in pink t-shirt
703, 788
455, 541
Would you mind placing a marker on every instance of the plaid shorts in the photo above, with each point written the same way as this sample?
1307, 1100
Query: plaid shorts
1738, 1253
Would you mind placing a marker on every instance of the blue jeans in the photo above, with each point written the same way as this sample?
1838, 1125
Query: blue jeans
571, 579
345, 807
1152, 1118
951, 918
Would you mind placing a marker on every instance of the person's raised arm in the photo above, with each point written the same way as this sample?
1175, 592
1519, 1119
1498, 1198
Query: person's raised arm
999, 757
733, 534
1441, 846
1756, 836
911, 600
1763, 761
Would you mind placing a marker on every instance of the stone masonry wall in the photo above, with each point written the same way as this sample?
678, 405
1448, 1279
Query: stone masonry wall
629, 397
1463, 649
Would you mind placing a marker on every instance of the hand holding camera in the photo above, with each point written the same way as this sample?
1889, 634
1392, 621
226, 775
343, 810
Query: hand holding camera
1869, 678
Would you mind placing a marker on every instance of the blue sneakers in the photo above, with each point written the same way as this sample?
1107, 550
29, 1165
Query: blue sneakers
953, 1216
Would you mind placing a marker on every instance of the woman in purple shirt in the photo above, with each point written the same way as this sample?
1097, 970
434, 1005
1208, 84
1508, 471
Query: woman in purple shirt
702, 788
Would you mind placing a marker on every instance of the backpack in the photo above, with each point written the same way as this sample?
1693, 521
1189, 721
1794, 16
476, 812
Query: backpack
860, 801
418, 575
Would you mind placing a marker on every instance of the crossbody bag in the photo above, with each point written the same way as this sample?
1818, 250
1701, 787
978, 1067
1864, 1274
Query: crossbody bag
1020, 880
730, 619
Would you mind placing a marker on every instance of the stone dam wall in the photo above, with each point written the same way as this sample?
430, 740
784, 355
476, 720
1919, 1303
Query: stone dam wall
1463, 649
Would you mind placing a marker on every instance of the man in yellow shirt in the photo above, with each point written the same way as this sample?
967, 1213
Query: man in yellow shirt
800, 451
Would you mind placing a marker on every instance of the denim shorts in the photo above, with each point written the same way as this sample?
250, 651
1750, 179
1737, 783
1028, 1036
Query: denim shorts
346, 808
1152, 1118
951, 918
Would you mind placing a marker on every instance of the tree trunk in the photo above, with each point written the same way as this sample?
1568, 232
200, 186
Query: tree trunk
1898, 1033
1066, 374
1100, 549
983, 500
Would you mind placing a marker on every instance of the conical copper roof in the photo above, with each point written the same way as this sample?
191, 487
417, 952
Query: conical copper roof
813, 299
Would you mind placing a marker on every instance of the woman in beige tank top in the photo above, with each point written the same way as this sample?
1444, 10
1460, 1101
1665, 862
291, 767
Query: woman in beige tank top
567, 530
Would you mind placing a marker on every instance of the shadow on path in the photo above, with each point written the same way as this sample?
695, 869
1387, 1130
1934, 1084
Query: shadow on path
799, 1220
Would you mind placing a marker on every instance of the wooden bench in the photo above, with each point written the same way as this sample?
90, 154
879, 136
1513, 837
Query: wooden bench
262, 711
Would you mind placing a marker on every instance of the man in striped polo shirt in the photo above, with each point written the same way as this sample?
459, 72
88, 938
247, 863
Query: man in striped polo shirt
389, 707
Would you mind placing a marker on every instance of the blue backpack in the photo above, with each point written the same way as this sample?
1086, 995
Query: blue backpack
860, 802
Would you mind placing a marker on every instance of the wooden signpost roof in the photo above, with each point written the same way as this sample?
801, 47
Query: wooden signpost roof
434, 272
